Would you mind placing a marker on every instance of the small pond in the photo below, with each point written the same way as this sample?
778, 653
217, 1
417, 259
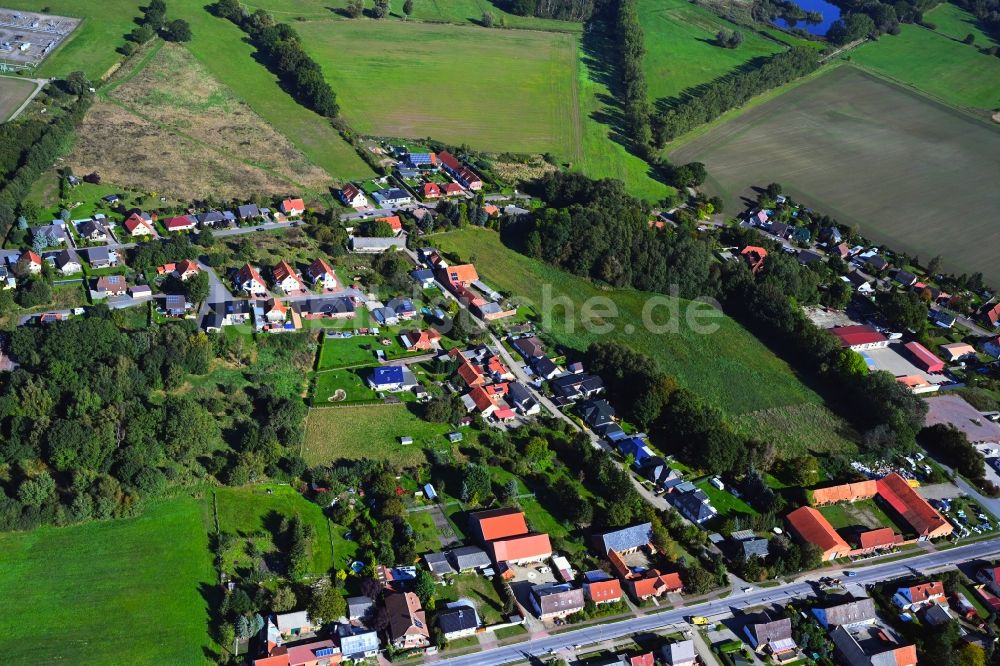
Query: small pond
830, 14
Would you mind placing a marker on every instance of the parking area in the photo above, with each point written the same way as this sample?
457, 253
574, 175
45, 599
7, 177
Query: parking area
895, 359
826, 318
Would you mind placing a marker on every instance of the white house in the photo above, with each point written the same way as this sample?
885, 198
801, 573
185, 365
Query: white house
249, 280
320, 273
352, 196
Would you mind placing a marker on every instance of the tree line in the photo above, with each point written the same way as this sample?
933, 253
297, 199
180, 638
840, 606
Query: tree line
713, 99
631, 49
24, 157
565, 10
595, 229
285, 56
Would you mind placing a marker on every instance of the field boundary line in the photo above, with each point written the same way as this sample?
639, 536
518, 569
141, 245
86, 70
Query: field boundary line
756, 101
909, 88
140, 65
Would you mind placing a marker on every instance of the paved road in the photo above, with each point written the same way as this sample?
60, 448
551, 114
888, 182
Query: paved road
721, 607
39, 84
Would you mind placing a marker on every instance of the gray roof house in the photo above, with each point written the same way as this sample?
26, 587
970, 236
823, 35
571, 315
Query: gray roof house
439, 564
556, 599
211, 218
596, 413
770, 636
904, 278
520, 397
374, 245
756, 547
470, 557
248, 211
358, 608
853, 613
626, 539
458, 621
679, 654
694, 506
101, 257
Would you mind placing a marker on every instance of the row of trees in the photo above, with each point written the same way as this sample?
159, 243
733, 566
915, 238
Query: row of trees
566, 10
714, 99
24, 157
153, 22
631, 49
282, 48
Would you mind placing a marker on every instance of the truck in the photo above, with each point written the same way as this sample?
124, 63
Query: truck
699, 620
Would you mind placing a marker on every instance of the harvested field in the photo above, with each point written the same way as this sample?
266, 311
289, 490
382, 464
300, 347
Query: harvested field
510, 90
149, 157
13, 92
911, 173
221, 147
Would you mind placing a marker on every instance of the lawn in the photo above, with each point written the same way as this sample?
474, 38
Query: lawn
728, 505
426, 533
953, 21
890, 157
250, 510
540, 520
373, 432
125, 591
729, 368
865, 513
13, 92
603, 151
439, 11
352, 384
477, 589
221, 47
511, 91
944, 67
92, 45
360, 349
802, 428
680, 49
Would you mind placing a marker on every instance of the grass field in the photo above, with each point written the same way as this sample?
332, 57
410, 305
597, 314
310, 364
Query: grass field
221, 47
351, 382
169, 105
865, 514
802, 428
953, 21
508, 90
453, 11
370, 432
360, 349
91, 47
728, 505
13, 92
603, 153
940, 65
680, 49
127, 591
870, 153
730, 367
249, 510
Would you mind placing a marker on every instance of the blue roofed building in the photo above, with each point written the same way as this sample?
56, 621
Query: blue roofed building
392, 378
635, 447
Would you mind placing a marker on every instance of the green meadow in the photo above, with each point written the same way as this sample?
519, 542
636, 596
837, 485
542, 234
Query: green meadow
953, 21
730, 367
937, 64
438, 11
371, 431
680, 48
495, 90
249, 510
118, 592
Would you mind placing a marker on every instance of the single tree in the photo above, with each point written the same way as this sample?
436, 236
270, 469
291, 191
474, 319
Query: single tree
177, 30
408, 8
488, 19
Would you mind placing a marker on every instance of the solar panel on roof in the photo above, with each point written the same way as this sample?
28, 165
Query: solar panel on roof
324, 652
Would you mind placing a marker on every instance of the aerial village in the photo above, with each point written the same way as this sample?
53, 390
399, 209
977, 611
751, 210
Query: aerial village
408, 350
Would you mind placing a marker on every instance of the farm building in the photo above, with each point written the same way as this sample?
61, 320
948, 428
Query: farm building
859, 337
923, 358
958, 350
809, 526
